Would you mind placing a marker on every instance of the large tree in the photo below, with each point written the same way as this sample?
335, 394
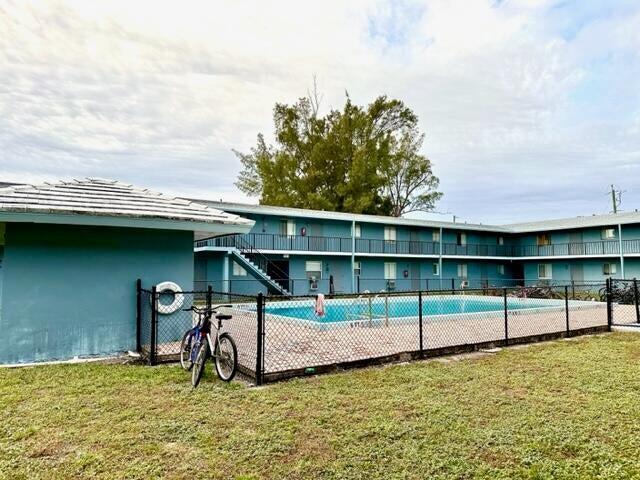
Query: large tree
358, 159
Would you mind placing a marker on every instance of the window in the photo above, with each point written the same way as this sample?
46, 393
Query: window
609, 269
313, 269
238, 270
288, 227
608, 233
500, 240
461, 239
357, 268
435, 269
544, 271
390, 234
356, 230
435, 236
500, 269
389, 271
544, 239
462, 270
314, 273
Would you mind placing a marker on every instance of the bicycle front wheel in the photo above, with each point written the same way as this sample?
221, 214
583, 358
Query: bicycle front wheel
226, 357
198, 365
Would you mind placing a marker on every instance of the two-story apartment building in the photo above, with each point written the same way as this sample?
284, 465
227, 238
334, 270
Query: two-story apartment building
301, 251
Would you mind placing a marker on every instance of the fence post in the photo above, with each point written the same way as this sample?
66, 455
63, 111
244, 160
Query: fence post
420, 322
259, 338
506, 317
609, 304
566, 306
154, 327
209, 297
573, 289
138, 314
453, 286
635, 298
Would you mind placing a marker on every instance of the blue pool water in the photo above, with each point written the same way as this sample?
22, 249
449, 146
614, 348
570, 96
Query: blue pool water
360, 309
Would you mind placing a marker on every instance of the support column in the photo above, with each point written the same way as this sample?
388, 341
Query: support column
225, 273
353, 256
621, 251
440, 257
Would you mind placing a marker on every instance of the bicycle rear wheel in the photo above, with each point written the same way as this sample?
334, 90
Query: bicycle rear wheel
198, 365
226, 357
188, 342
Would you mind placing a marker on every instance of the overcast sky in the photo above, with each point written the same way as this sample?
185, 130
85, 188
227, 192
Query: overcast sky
531, 108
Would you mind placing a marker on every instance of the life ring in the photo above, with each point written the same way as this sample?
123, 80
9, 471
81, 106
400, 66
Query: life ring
178, 297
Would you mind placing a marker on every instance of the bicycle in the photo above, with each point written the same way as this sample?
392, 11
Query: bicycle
197, 345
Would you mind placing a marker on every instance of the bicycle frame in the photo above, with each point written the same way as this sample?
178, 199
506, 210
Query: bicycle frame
204, 317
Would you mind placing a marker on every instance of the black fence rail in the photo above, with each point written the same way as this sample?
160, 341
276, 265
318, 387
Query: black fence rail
341, 285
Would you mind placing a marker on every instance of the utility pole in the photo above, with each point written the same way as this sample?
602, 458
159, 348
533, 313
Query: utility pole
616, 198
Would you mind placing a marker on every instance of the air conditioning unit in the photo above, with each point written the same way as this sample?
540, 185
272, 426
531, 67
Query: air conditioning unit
313, 283
464, 284
391, 285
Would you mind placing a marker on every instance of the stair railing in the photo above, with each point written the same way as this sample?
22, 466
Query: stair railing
263, 263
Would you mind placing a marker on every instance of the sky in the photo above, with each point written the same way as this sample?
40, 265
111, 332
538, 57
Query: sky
531, 109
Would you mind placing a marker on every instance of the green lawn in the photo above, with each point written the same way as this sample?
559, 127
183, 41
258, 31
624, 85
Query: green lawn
567, 409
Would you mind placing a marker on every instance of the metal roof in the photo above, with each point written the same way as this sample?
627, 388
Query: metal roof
243, 208
592, 221
93, 197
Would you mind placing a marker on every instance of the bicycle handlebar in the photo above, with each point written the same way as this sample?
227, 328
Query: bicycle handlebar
213, 308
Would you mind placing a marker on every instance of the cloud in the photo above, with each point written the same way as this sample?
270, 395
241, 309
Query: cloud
531, 108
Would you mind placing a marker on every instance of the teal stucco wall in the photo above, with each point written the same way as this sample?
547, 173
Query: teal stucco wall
70, 290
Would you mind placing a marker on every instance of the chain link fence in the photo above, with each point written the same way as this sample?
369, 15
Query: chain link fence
285, 336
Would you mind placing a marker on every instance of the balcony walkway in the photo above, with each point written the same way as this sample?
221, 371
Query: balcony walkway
368, 246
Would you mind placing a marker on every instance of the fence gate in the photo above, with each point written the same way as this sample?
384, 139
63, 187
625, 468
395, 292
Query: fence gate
624, 298
162, 320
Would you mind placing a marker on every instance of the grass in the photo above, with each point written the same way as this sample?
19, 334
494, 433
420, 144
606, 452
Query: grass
567, 409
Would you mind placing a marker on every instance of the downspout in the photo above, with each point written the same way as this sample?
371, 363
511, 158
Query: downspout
353, 256
440, 257
621, 250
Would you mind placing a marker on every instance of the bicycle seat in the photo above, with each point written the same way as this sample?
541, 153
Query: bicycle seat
223, 317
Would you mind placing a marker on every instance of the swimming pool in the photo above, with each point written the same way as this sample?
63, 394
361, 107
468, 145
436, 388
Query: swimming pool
405, 307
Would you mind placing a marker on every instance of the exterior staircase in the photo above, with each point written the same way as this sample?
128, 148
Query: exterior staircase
261, 275
253, 260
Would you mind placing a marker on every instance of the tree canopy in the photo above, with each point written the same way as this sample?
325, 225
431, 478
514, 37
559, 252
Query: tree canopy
358, 159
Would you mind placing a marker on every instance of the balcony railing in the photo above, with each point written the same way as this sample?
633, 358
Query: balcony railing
271, 242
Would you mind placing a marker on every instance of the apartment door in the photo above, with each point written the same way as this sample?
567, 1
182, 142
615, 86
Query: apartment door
414, 242
576, 271
315, 239
279, 271
517, 272
484, 277
415, 276
576, 247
